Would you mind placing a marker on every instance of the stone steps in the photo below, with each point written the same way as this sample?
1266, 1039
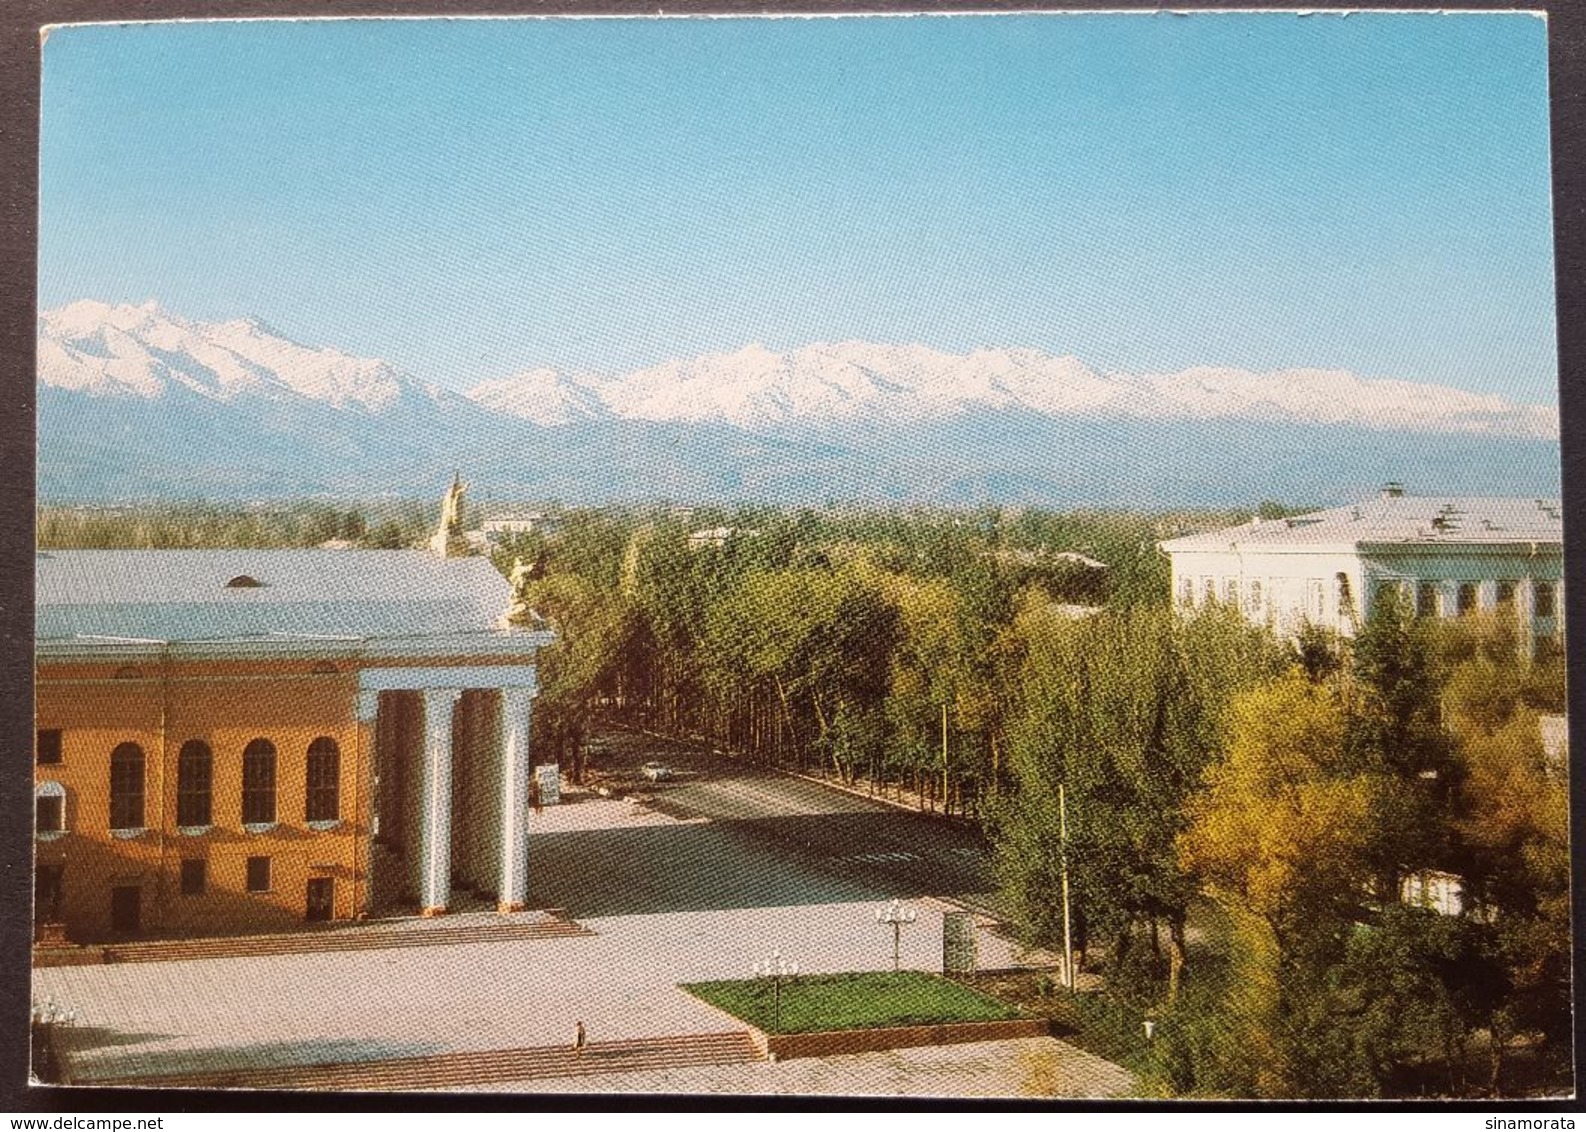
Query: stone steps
344, 939
462, 1070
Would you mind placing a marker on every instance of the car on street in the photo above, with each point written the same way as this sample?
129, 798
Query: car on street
656, 772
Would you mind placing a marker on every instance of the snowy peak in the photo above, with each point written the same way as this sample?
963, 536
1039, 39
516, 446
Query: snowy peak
1338, 397
831, 384
838, 385
143, 351
541, 396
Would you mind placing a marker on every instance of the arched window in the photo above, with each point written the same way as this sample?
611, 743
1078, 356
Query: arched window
126, 787
258, 783
324, 780
194, 771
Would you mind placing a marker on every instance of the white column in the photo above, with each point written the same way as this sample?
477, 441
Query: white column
435, 819
516, 768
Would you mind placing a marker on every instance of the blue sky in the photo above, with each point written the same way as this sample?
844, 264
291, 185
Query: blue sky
472, 198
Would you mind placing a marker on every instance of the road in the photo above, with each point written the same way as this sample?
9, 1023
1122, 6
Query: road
722, 834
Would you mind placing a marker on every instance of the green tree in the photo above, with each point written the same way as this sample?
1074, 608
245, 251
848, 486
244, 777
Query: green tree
593, 631
1512, 820
1417, 985
1125, 711
821, 639
1281, 837
1395, 732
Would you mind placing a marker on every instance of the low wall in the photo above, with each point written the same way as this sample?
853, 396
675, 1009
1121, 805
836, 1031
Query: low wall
67, 956
825, 1043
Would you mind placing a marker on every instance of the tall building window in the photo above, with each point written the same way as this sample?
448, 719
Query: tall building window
1231, 591
194, 874
49, 808
258, 874
126, 787
1316, 596
1346, 599
194, 771
1426, 599
1256, 608
258, 783
1186, 592
1208, 590
324, 780
1543, 600
49, 746
48, 887
1506, 588
1466, 599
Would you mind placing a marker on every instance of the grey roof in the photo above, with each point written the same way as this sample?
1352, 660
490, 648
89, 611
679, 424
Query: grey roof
1404, 520
183, 596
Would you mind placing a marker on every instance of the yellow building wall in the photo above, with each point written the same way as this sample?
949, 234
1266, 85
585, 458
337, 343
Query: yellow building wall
226, 706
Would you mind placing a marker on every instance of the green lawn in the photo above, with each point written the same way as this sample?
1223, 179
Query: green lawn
853, 1002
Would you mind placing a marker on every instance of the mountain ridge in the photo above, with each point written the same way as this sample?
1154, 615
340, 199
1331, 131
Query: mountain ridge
98, 348
137, 399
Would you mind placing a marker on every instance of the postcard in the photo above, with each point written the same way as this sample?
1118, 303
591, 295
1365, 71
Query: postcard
994, 556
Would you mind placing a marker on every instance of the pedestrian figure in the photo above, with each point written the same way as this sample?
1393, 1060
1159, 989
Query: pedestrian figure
578, 1038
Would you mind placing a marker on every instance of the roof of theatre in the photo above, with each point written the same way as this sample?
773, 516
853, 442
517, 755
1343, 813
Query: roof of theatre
178, 596
1395, 520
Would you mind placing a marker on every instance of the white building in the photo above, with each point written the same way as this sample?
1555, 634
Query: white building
1447, 556
1440, 892
718, 537
1555, 746
499, 527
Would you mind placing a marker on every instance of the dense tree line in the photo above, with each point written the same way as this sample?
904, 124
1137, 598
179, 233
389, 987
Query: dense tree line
194, 526
870, 646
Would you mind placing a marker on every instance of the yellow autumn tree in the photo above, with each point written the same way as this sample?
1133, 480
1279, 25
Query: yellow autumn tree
1280, 830
1280, 838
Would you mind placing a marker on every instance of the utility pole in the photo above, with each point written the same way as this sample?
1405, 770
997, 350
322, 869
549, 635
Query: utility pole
1068, 945
944, 756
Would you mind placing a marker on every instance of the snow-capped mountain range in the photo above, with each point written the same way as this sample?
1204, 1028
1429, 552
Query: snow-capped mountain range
742, 421
144, 351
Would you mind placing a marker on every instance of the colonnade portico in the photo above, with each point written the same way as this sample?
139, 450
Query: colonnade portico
439, 692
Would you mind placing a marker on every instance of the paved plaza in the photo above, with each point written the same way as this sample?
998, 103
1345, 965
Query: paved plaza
689, 884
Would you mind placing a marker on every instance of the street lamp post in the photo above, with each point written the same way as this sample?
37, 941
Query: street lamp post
896, 915
778, 970
1068, 943
47, 1020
